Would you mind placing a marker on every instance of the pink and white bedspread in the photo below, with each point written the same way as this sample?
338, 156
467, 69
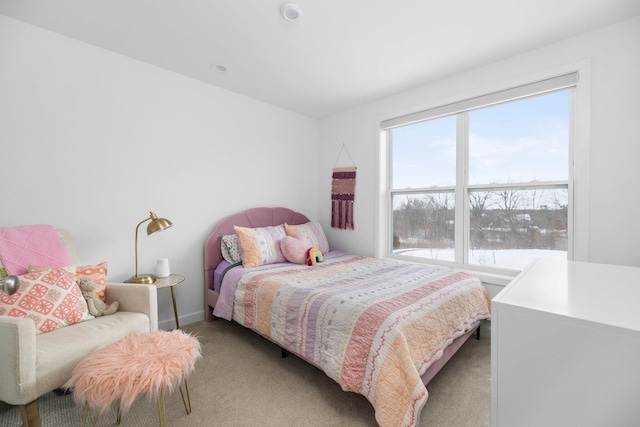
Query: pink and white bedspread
372, 325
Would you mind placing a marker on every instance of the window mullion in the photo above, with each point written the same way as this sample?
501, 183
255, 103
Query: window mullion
462, 166
571, 166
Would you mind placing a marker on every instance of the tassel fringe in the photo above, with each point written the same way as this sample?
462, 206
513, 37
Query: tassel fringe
342, 197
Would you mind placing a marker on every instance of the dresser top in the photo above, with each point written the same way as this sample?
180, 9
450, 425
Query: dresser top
607, 295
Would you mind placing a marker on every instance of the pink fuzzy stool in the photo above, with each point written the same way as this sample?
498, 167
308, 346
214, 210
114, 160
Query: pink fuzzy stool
150, 363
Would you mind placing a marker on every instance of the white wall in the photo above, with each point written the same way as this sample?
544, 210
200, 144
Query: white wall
614, 206
92, 141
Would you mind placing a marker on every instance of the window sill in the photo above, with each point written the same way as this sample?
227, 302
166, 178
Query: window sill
492, 278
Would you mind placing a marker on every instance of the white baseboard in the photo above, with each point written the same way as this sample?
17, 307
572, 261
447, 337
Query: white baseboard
170, 323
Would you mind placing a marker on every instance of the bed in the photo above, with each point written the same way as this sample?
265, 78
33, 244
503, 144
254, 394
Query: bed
381, 328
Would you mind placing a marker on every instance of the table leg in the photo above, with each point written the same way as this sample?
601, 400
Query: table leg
175, 310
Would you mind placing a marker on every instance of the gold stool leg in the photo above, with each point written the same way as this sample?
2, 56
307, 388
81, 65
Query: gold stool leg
162, 410
84, 416
86, 413
186, 403
118, 415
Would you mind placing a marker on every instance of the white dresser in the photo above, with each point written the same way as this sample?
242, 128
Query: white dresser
565, 347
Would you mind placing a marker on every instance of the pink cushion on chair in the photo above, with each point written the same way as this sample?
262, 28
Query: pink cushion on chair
135, 365
23, 246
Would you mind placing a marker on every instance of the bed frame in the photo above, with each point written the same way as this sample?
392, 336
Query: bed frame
256, 217
264, 217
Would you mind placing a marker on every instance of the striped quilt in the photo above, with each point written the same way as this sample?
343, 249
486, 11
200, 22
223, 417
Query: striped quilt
372, 325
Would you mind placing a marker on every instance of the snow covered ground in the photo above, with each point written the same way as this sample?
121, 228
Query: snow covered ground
515, 259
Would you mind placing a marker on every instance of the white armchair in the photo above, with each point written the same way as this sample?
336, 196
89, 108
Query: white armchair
32, 365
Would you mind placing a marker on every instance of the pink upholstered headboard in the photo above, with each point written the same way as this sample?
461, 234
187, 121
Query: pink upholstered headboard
256, 217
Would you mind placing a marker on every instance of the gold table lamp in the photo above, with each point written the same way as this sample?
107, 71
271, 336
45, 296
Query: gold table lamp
156, 224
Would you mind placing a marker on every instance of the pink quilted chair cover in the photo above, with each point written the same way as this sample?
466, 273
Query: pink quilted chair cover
27, 245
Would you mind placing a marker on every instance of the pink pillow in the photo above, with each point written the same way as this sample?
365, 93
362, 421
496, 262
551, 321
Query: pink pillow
96, 273
313, 232
51, 298
295, 249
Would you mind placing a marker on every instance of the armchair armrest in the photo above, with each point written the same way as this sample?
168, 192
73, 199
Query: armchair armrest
17, 359
135, 298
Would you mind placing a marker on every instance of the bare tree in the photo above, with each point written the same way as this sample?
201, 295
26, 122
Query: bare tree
508, 202
477, 203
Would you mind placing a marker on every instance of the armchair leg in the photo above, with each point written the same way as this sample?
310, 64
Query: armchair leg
30, 414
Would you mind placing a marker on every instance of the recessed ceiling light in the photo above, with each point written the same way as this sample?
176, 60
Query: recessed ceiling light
291, 11
219, 68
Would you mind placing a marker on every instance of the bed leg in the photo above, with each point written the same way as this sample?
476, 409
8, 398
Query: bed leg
478, 333
285, 353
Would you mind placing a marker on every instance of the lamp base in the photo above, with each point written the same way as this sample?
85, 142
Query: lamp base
145, 279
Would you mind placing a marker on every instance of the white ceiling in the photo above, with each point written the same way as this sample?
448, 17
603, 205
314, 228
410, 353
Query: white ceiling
339, 54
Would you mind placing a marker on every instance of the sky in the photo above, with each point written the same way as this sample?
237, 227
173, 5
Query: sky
519, 141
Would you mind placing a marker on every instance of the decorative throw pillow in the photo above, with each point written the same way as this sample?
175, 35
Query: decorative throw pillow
40, 268
314, 256
313, 232
260, 246
295, 248
98, 275
51, 298
230, 247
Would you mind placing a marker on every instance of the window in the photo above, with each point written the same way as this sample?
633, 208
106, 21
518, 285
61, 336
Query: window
484, 182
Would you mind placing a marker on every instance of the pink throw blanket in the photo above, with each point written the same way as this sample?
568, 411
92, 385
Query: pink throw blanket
27, 245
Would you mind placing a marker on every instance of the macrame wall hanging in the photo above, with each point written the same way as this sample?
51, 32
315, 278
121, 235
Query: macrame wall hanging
343, 185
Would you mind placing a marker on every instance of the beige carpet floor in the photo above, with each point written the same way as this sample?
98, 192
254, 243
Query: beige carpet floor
243, 381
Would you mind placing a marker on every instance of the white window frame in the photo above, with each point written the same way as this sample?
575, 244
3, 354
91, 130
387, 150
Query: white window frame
578, 183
